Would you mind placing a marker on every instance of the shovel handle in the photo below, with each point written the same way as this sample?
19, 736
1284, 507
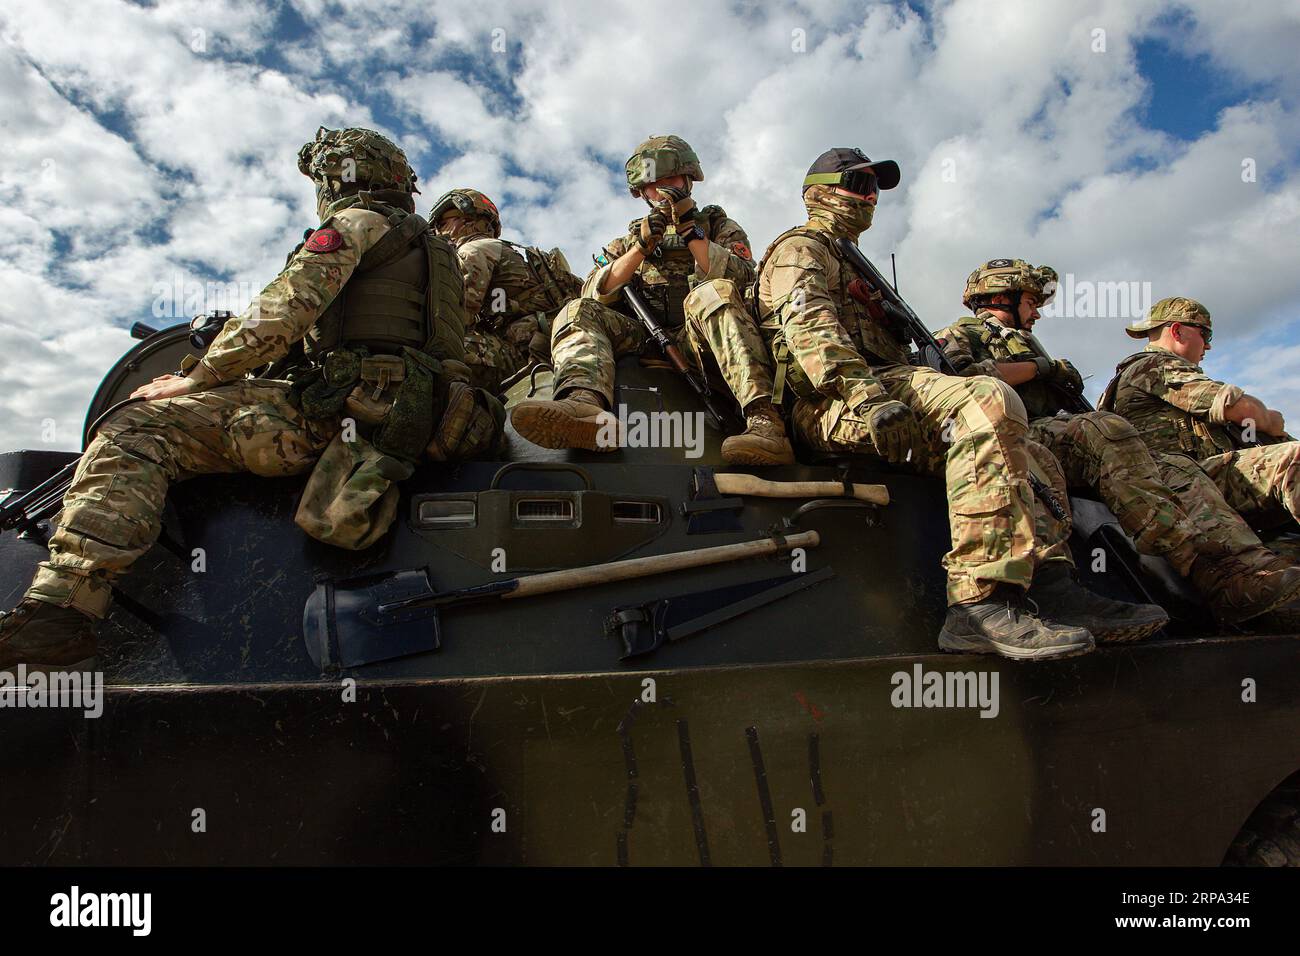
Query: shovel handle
570, 578
739, 483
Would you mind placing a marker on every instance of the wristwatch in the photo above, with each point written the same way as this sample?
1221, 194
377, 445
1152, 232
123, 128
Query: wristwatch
690, 234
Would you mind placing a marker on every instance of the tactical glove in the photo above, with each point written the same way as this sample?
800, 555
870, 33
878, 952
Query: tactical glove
652, 230
1059, 372
893, 429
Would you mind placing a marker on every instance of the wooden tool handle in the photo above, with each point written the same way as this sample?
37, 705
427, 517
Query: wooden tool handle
570, 578
738, 483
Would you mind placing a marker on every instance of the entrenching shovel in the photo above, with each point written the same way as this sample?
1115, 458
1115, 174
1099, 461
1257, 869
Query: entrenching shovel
379, 617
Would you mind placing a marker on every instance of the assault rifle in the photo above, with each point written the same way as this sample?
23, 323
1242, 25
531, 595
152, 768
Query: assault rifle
901, 314
696, 379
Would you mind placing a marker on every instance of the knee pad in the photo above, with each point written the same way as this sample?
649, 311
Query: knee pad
707, 298
1111, 426
997, 402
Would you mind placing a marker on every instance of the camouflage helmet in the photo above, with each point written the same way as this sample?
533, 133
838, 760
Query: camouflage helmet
1174, 309
660, 157
1010, 275
469, 203
338, 158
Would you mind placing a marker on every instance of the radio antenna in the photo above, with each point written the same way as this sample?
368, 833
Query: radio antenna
893, 267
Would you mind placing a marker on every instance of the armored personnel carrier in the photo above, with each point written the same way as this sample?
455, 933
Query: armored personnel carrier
788, 708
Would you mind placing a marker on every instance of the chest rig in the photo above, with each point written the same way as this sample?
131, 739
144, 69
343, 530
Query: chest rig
1164, 427
878, 341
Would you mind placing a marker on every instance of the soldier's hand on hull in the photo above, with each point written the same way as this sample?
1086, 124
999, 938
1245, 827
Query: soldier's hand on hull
166, 386
893, 428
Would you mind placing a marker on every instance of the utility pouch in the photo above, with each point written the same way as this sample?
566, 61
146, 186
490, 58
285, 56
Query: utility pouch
371, 399
417, 405
323, 391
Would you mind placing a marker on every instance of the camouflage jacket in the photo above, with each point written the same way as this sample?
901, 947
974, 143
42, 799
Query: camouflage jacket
1173, 404
283, 313
502, 286
975, 344
670, 274
805, 306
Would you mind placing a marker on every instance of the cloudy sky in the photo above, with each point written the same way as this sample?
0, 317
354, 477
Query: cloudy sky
151, 146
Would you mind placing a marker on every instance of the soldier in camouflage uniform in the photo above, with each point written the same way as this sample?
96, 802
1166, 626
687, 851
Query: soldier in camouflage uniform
1100, 451
367, 309
673, 247
856, 390
512, 293
1235, 438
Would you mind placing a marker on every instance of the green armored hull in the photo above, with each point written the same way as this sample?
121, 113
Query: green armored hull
823, 727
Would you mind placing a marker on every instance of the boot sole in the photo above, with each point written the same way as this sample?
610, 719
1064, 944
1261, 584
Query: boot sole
1127, 634
972, 644
550, 428
756, 458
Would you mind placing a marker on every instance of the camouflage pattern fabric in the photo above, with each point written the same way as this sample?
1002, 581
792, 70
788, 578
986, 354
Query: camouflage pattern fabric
1262, 484
226, 424
1174, 405
502, 301
975, 344
1103, 453
976, 428
589, 338
112, 512
350, 500
590, 334
1000, 530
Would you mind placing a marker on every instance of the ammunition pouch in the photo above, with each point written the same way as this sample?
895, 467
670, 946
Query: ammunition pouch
396, 401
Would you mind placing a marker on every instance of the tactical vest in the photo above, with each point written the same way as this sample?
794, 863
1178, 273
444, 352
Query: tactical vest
404, 292
551, 287
1003, 344
1164, 427
877, 342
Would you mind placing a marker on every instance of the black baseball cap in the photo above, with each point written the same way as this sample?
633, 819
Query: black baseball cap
841, 159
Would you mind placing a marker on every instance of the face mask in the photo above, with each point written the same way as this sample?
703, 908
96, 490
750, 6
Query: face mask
846, 216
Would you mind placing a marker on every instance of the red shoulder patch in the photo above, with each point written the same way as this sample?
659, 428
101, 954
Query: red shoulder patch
324, 240
742, 250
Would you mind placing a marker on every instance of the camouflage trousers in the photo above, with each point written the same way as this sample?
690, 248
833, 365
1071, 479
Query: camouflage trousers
112, 512
588, 338
1262, 483
976, 437
1153, 499
493, 356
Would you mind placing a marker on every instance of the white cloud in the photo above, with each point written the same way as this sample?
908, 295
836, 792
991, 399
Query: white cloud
169, 159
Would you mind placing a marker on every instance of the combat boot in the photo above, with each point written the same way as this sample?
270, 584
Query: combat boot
45, 637
1247, 585
1003, 624
1061, 599
579, 420
763, 442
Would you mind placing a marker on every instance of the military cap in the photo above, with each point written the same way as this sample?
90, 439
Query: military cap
1174, 309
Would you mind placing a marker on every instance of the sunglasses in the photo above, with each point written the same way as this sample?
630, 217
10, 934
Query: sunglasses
860, 180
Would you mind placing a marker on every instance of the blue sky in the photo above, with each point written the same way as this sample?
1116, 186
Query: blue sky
154, 143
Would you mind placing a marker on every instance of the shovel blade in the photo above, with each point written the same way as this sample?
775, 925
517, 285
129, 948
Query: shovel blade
342, 625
